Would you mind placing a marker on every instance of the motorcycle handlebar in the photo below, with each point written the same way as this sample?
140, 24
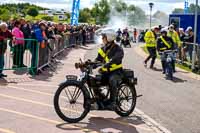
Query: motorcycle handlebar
87, 63
168, 51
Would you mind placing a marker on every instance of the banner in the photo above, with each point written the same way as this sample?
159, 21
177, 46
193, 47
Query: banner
186, 8
75, 12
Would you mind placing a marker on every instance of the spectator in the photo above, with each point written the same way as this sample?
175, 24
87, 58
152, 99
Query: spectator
181, 34
77, 35
119, 32
18, 43
141, 36
84, 36
36, 34
51, 32
59, 29
174, 35
10, 25
135, 34
181, 52
26, 29
189, 39
4, 36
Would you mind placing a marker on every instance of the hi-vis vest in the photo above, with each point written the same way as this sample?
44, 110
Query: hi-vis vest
175, 37
113, 67
150, 39
166, 44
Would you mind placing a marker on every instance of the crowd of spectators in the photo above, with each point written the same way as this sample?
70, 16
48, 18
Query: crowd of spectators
21, 33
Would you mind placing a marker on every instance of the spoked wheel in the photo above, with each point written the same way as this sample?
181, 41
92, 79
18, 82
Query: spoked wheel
126, 100
169, 72
71, 102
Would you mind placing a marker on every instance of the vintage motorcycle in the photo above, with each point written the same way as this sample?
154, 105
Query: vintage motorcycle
77, 96
125, 41
168, 56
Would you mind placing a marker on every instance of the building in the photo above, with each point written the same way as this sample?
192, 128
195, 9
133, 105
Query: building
52, 12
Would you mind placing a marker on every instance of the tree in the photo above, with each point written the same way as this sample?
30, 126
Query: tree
178, 10
159, 14
119, 6
131, 8
101, 12
4, 14
84, 15
47, 18
121, 10
190, 10
161, 18
67, 14
136, 16
32, 12
19, 8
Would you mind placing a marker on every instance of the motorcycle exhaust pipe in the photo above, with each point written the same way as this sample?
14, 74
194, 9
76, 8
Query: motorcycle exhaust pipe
139, 96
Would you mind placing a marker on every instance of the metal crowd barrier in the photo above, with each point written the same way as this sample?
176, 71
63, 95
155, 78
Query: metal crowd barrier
35, 56
19, 56
185, 54
55, 47
90, 37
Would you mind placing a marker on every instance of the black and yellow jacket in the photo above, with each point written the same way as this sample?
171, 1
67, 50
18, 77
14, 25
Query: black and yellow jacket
165, 43
111, 56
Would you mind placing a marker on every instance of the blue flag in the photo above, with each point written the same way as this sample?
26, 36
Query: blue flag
75, 12
186, 8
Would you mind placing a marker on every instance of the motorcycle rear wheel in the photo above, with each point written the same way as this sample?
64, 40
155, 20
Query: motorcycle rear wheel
126, 93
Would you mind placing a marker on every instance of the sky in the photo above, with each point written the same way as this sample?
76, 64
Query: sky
163, 5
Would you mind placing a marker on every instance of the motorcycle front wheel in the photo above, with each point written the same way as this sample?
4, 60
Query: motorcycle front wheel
126, 100
71, 102
169, 71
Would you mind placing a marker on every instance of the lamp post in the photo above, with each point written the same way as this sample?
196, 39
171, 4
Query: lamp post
195, 36
151, 6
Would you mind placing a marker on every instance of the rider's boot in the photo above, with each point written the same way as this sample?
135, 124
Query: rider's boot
174, 66
94, 106
163, 66
112, 106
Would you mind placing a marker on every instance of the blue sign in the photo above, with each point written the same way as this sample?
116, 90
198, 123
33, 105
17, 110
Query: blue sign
186, 8
75, 12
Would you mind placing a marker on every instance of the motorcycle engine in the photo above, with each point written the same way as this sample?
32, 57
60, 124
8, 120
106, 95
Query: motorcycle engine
104, 92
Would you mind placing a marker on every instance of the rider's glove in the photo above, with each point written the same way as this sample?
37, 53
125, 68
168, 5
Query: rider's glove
107, 65
100, 71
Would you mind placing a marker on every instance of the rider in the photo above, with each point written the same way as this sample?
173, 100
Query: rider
119, 32
165, 43
111, 56
125, 37
125, 33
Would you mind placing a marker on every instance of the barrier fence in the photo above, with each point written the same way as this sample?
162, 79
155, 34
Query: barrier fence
34, 55
16, 56
185, 56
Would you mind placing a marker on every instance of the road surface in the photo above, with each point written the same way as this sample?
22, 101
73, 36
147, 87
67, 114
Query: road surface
173, 104
27, 105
